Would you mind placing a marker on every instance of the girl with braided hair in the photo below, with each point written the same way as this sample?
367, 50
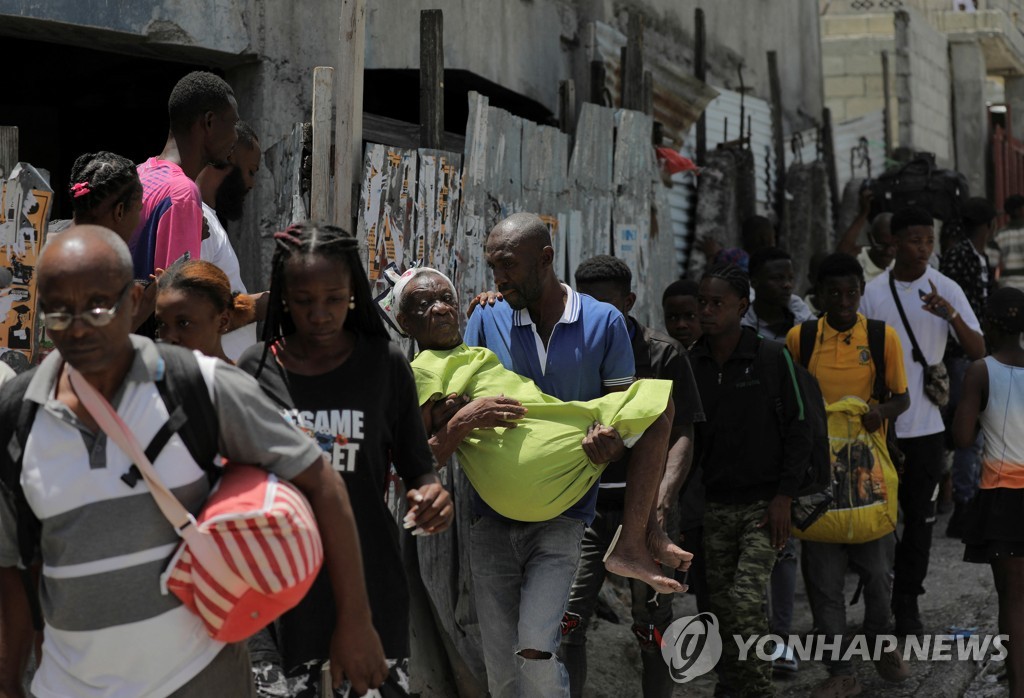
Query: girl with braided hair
993, 402
327, 361
195, 307
105, 190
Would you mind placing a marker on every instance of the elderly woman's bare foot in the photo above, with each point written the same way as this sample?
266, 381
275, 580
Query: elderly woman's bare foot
636, 562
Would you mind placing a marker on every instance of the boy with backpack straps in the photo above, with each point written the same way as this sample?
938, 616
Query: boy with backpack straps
756, 455
851, 356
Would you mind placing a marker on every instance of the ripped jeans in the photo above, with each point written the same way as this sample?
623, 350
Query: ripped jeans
522, 574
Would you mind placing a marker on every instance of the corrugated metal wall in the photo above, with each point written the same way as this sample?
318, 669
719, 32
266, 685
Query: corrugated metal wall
722, 126
870, 127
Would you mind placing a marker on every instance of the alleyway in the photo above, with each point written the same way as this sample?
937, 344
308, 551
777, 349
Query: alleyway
959, 594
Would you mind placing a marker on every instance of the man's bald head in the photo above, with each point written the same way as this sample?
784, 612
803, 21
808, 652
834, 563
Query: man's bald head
84, 270
520, 229
520, 257
85, 248
881, 226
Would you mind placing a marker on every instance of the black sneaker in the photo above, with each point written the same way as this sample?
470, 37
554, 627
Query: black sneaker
908, 617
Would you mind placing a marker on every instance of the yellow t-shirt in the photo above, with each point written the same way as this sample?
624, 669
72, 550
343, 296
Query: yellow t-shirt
842, 361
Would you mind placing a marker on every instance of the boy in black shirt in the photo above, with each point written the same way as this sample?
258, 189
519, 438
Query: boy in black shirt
752, 470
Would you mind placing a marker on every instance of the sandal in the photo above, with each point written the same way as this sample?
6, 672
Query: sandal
837, 687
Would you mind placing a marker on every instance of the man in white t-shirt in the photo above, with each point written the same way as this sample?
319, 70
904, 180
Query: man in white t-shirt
935, 307
223, 190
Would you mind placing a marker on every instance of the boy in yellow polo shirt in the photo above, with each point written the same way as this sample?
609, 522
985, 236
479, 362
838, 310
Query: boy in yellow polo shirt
841, 360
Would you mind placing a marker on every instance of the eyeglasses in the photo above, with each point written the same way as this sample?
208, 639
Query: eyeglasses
94, 317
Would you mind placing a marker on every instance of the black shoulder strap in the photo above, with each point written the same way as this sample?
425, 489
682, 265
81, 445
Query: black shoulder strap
918, 356
876, 346
16, 417
192, 413
808, 332
768, 370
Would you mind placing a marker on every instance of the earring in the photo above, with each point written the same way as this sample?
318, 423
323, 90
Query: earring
352, 303
284, 306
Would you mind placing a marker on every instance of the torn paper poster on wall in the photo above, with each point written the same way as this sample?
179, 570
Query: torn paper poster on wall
25, 200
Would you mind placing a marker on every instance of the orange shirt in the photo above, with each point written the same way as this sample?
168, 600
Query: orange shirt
842, 361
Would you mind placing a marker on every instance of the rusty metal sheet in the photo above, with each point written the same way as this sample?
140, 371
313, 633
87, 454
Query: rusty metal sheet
679, 98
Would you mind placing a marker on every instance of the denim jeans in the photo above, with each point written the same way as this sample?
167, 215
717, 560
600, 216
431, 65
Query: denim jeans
824, 567
782, 589
651, 612
966, 461
522, 574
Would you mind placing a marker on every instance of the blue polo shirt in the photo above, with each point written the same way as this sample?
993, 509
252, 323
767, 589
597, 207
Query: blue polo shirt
588, 353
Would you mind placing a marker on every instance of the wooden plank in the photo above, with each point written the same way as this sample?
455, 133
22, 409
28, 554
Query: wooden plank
700, 71
545, 164
403, 134
323, 107
886, 113
432, 79
634, 169
8, 150
492, 187
777, 138
567, 106
828, 153
598, 76
648, 93
661, 252
469, 275
348, 96
590, 184
633, 64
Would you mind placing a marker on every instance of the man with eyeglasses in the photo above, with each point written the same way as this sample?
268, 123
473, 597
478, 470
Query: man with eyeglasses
104, 543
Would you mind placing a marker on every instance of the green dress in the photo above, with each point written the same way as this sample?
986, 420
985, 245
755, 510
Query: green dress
538, 470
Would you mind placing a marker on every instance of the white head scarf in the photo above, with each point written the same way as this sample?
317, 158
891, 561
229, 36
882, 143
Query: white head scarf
393, 301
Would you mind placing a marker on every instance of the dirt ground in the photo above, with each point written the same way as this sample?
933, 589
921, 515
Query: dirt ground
958, 594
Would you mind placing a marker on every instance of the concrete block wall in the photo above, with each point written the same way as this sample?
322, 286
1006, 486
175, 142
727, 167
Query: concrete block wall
923, 87
851, 48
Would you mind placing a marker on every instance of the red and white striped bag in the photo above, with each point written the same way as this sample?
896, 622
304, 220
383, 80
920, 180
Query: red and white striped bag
254, 551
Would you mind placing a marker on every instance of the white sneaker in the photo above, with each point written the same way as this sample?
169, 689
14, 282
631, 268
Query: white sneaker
787, 662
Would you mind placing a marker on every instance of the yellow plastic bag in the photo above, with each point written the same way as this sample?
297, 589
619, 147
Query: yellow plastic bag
864, 481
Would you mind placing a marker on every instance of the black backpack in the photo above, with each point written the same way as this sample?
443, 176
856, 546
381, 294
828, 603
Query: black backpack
192, 416
920, 183
876, 346
818, 476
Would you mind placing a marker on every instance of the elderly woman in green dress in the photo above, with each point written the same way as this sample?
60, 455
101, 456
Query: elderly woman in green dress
520, 448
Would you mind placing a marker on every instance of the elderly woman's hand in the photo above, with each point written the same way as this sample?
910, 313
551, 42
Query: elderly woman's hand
490, 413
